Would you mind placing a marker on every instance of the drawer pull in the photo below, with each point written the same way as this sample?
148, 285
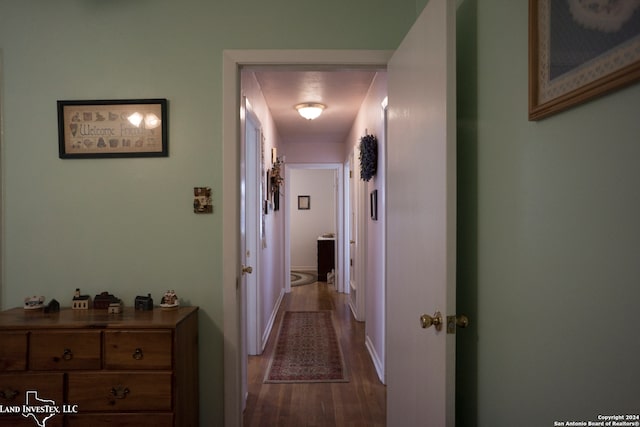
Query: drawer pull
119, 392
67, 354
8, 394
137, 354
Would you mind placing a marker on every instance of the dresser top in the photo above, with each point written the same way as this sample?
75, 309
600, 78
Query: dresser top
18, 318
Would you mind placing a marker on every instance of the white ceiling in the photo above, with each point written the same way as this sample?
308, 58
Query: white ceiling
342, 91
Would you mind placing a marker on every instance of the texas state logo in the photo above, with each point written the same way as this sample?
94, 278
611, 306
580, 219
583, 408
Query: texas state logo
37, 408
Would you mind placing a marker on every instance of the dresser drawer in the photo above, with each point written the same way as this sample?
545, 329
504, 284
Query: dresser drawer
13, 392
64, 350
13, 387
13, 352
120, 420
120, 391
137, 349
20, 421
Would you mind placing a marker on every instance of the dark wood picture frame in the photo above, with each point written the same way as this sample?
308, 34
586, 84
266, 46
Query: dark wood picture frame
304, 202
112, 128
374, 204
574, 56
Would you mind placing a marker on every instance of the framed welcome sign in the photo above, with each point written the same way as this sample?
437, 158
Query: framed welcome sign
112, 128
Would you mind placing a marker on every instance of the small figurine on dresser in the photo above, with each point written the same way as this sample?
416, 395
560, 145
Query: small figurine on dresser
144, 303
52, 307
169, 300
115, 307
80, 302
103, 300
33, 303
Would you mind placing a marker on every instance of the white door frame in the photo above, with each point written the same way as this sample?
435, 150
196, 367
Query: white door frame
231, 62
339, 213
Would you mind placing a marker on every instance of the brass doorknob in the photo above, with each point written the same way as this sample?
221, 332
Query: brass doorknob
462, 321
459, 321
247, 269
427, 321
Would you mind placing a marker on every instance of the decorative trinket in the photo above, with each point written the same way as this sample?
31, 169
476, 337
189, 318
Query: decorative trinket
115, 307
80, 302
52, 307
143, 303
103, 300
169, 300
33, 303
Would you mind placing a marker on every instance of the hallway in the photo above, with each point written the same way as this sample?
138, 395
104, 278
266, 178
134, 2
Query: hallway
360, 402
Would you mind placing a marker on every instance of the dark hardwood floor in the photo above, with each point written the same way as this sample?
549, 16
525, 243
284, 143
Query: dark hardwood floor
360, 402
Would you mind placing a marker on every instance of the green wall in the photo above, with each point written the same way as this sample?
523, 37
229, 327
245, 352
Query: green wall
549, 257
126, 225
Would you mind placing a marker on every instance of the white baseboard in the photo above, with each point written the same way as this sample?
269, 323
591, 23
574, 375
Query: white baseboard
272, 320
375, 358
353, 309
304, 268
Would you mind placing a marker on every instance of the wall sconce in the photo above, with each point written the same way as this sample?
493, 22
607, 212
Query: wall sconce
310, 111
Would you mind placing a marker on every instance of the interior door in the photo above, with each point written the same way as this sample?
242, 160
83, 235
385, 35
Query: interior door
358, 218
242, 285
249, 196
250, 254
421, 221
353, 248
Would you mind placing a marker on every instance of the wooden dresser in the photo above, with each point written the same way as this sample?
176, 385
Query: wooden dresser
136, 368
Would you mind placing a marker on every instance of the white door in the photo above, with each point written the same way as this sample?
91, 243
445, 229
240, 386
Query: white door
252, 197
421, 215
353, 248
249, 197
357, 238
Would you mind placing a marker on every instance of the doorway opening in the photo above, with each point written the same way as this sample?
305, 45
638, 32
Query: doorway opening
304, 225
233, 61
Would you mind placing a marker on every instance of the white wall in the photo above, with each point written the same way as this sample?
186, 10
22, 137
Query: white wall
307, 225
307, 152
371, 119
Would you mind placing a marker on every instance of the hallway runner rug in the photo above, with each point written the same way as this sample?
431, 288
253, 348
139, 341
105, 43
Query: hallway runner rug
307, 350
299, 278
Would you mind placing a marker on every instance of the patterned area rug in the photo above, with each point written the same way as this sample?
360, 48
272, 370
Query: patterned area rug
299, 278
307, 350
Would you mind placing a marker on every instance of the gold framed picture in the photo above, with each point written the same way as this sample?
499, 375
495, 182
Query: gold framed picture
580, 50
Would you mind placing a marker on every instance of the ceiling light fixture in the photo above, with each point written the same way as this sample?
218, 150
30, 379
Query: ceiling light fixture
310, 111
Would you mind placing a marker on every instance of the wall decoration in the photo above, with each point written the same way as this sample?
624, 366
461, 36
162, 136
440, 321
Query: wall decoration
202, 200
304, 202
112, 128
275, 181
579, 50
264, 188
373, 202
368, 157
269, 194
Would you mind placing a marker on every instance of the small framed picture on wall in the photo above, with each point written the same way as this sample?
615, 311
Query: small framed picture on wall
304, 202
374, 205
